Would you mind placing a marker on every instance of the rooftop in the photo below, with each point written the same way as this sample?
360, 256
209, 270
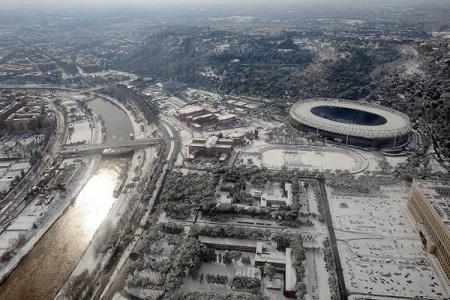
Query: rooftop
274, 192
438, 194
228, 242
393, 123
266, 252
190, 109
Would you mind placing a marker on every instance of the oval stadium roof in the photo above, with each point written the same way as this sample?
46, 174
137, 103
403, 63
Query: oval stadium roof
397, 124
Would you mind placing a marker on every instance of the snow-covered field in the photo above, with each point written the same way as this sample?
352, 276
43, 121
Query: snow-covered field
305, 157
82, 133
379, 251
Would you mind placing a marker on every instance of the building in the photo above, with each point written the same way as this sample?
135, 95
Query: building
238, 138
7, 109
189, 112
22, 122
29, 118
429, 204
352, 122
215, 145
275, 284
226, 120
248, 272
290, 275
276, 195
199, 117
266, 253
207, 119
228, 243
210, 146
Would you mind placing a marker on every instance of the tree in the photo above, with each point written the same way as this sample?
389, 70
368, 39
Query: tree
269, 270
245, 260
283, 240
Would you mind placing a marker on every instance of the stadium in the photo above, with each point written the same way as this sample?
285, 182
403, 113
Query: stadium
352, 123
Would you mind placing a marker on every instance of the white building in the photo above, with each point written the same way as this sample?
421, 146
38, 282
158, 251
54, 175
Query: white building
276, 196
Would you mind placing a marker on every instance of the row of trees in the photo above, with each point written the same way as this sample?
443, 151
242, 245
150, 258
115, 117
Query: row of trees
250, 284
212, 296
259, 177
230, 231
331, 269
184, 194
365, 184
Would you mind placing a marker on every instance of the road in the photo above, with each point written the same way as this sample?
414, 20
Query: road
333, 243
50, 87
114, 280
311, 275
18, 194
91, 148
54, 149
107, 278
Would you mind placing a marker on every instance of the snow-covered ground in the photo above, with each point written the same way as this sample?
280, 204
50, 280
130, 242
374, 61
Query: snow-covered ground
316, 275
9, 170
82, 133
304, 157
379, 251
37, 218
15, 153
39, 215
139, 168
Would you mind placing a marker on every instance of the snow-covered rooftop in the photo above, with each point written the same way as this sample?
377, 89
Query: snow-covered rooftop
438, 194
397, 124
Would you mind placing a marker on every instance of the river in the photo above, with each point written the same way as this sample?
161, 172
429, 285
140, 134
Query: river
47, 266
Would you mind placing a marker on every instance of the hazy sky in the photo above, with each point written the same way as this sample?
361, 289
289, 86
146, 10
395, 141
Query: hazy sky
114, 3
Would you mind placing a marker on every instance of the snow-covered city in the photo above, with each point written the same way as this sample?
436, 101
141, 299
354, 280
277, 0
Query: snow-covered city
230, 152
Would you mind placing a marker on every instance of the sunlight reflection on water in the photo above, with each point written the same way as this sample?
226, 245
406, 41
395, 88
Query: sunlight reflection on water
95, 200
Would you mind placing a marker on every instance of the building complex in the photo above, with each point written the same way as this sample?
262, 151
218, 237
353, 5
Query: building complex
429, 205
265, 253
198, 117
215, 145
29, 118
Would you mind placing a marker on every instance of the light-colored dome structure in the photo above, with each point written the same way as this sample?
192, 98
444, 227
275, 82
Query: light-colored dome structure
352, 122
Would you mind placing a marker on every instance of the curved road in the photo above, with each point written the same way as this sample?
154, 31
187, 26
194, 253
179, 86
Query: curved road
175, 145
18, 194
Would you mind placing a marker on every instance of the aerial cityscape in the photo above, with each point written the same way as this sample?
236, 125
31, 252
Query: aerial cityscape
230, 151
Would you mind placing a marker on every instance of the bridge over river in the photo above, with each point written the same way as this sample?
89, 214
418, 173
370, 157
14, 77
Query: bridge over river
69, 150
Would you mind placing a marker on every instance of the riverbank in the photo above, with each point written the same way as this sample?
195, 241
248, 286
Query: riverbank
108, 292
38, 217
53, 213
120, 214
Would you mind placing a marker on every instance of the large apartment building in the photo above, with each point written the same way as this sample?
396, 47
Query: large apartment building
30, 118
429, 204
200, 117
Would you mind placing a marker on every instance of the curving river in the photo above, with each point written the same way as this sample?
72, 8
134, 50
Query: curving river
47, 266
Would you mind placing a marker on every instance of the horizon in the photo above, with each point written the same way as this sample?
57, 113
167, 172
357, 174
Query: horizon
113, 4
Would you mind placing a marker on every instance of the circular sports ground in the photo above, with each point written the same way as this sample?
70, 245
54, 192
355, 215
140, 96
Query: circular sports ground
352, 123
305, 157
